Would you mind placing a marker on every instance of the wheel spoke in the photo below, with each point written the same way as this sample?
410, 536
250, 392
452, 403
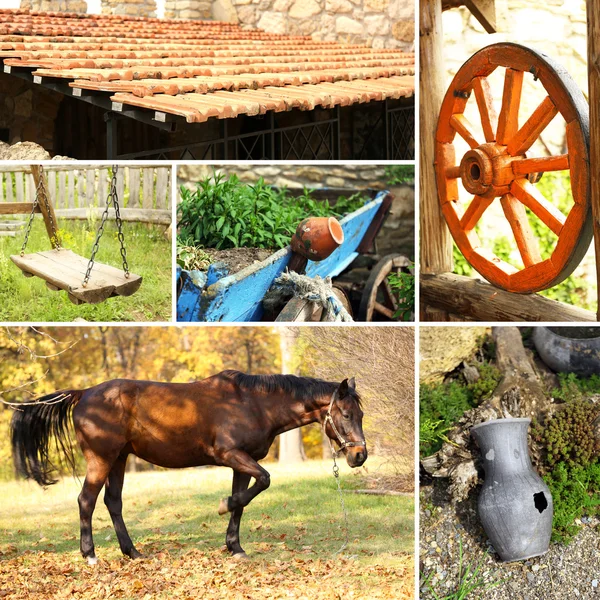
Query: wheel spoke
508, 121
389, 295
485, 103
474, 211
540, 165
533, 199
453, 172
384, 310
526, 241
533, 127
462, 126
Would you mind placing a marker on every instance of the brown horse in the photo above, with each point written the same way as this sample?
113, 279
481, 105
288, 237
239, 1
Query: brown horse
230, 419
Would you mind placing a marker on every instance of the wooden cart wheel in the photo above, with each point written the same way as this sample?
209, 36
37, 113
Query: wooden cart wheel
497, 166
377, 302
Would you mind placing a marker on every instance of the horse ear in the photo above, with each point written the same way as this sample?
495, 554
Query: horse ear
343, 389
352, 384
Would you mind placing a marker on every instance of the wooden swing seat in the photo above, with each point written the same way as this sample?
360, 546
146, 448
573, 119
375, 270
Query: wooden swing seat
62, 269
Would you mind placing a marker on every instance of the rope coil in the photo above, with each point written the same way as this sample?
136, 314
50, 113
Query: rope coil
315, 289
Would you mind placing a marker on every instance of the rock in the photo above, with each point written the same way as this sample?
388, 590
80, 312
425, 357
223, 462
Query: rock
444, 348
338, 6
377, 5
272, 22
224, 10
346, 25
404, 31
304, 8
377, 24
23, 151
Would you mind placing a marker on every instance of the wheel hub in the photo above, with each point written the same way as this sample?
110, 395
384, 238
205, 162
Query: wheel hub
486, 171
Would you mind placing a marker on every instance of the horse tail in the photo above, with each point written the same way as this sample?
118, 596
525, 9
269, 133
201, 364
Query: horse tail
33, 425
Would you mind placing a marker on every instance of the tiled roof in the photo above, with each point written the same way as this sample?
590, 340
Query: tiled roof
199, 69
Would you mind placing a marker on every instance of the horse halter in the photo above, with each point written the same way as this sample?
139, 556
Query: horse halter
343, 443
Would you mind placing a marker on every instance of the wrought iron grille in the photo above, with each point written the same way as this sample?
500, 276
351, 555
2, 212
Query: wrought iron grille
400, 133
319, 139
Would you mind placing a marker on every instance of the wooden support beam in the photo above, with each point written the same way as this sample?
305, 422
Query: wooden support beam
134, 215
480, 301
16, 208
483, 10
46, 210
593, 37
436, 242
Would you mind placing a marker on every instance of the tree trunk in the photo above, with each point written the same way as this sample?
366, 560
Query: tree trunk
291, 447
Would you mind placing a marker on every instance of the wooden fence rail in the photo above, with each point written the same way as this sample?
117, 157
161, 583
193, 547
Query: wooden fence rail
138, 187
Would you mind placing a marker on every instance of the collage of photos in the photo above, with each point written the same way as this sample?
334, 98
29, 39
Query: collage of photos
298, 300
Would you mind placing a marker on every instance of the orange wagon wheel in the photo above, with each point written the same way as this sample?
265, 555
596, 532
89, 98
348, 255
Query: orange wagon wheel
497, 165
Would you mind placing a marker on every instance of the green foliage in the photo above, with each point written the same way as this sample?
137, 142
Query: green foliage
489, 378
569, 435
148, 253
224, 213
574, 493
442, 405
399, 174
192, 258
570, 454
574, 388
403, 287
461, 266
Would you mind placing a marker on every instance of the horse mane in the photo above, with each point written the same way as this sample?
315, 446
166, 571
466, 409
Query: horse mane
301, 388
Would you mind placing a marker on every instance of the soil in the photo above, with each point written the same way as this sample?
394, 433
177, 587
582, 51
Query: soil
238, 258
576, 333
563, 572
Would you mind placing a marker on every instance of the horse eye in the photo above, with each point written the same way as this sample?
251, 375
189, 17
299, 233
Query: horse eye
346, 415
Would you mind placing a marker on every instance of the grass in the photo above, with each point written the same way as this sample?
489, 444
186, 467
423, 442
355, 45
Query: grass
148, 254
172, 515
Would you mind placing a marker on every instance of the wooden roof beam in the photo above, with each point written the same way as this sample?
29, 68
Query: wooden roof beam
483, 10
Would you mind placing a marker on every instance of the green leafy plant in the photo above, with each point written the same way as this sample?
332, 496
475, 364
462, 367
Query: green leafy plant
569, 435
400, 174
574, 493
224, 213
570, 453
442, 405
403, 288
571, 387
192, 258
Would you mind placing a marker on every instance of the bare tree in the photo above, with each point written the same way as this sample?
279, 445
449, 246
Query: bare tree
291, 447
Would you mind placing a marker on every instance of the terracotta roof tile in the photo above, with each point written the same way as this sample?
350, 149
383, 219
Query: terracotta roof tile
199, 69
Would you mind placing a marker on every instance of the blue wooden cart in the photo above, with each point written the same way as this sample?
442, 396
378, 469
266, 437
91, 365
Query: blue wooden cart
218, 296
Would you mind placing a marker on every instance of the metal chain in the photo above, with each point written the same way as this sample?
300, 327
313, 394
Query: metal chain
40, 190
336, 474
114, 198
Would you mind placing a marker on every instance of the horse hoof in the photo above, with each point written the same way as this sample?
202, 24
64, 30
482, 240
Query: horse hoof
240, 556
223, 506
135, 555
91, 560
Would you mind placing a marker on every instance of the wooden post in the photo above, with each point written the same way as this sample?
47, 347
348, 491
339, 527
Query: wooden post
436, 242
47, 211
593, 36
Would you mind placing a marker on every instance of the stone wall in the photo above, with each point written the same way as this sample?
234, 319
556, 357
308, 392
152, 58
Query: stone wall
377, 23
78, 6
398, 232
189, 9
134, 8
27, 112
